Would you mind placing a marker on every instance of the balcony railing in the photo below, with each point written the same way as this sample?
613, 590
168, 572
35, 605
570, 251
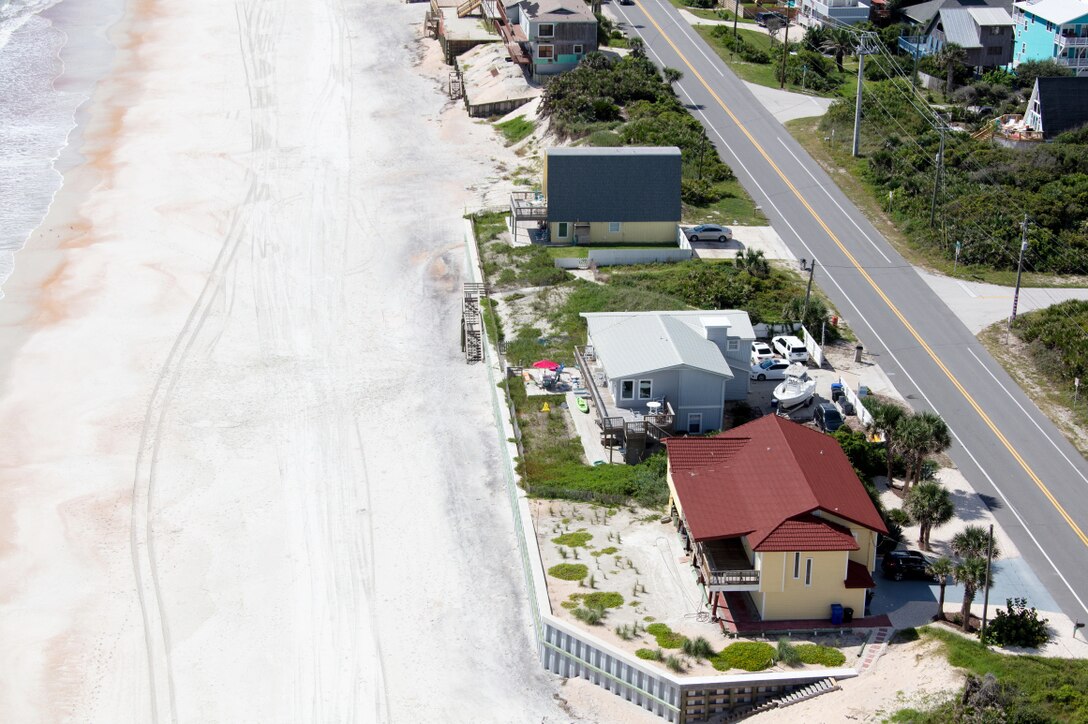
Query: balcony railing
733, 578
725, 566
1069, 41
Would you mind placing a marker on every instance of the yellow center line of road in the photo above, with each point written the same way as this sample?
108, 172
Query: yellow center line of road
895, 310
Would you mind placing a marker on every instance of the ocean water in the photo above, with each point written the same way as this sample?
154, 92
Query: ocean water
39, 103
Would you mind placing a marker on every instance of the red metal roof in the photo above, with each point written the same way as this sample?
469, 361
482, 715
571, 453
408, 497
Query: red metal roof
808, 533
753, 478
858, 576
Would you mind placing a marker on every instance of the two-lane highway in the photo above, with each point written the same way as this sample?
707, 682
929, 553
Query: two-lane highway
1005, 446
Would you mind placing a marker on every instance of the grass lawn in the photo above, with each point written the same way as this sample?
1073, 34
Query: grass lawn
1043, 689
582, 251
849, 174
764, 73
515, 129
736, 207
710, 13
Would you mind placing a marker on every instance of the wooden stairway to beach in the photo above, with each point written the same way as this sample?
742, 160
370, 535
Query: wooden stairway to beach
472, 327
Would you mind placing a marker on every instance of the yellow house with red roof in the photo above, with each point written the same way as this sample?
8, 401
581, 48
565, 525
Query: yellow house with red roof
773, 510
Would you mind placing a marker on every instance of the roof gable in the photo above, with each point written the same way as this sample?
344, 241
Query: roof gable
628, 184
750, 480
1059, 12
1063, 103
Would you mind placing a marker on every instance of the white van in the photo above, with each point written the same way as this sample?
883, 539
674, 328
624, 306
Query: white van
791, 348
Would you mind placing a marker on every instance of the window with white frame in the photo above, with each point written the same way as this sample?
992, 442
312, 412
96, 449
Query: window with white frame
645, 389
732, 345
564, 229
695, 423
545, 52
614, 227
797, 564
546, 30
579, 49
808, 571
627, 390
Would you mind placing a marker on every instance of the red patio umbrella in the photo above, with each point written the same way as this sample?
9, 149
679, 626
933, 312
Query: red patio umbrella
545, 364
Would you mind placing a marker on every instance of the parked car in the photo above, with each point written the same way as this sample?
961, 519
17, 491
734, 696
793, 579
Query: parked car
827, 417
898, 565
709, 232
762, 18
790, 348
770, 369
760, 352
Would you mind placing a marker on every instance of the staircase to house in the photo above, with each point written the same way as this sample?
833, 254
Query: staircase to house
985, 133
467, 7
823, 686
472, 327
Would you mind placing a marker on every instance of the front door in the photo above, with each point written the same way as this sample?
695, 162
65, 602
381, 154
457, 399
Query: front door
695, 423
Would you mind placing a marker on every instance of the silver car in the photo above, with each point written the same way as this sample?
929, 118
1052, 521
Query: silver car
709, 232
770, 369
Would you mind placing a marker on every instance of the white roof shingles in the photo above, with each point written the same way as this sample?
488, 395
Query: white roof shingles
1058, 12
641, 342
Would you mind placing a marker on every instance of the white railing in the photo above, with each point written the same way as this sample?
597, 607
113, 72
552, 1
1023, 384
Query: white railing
1070, 41
815, 352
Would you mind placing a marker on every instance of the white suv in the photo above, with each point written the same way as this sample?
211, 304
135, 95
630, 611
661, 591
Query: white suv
790, 348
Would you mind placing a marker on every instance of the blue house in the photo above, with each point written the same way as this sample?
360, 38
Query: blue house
1052, 29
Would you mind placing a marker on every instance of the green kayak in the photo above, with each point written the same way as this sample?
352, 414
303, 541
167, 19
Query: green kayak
583, 404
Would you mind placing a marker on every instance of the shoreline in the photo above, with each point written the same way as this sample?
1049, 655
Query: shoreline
41, 256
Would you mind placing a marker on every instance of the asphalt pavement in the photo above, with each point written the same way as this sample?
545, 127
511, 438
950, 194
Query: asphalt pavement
1004, 445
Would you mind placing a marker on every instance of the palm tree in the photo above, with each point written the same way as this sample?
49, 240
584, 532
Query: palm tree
970, 545
941, 569
917, 436
930, 505
672, 75
839, 43
814, 38
949, 57
754, 262
886, 415
971, 574
637, 47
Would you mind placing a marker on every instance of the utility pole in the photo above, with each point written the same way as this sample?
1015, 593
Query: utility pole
808, 290
863, 49
785, 48
736, 13
937, 178
986, 591
1019, 270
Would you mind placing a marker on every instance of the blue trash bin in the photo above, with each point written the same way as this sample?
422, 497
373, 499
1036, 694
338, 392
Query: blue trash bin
836, 614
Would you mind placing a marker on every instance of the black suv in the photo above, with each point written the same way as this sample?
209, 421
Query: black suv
898, 565
827, 417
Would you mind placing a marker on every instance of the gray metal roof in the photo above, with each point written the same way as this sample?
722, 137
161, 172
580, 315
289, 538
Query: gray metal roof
988, 17
959, 27
559, 11
633, 183
1063, 103
634, 343
924, 12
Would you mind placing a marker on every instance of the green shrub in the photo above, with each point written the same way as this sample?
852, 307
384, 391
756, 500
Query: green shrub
898, 516
569, 571
1017, 625
515, 129
600, 599
605, 551
666, 637
744, 50
675, 663
698, 649
820, 655
604, 138
578, 539
787, 653
591, 616
650, 654
746, 655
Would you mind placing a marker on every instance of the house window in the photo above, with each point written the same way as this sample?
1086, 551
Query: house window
563, 230
579, 49
797, 565
995, 30
695, 423
808, 571
1049, 26
645, 389
545, 52
627, 390
546, 30
732, 345
614, 227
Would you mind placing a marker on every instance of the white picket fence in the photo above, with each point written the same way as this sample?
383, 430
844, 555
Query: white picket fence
851, 395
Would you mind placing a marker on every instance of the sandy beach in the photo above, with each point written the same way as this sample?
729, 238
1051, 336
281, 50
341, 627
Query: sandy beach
248, 475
